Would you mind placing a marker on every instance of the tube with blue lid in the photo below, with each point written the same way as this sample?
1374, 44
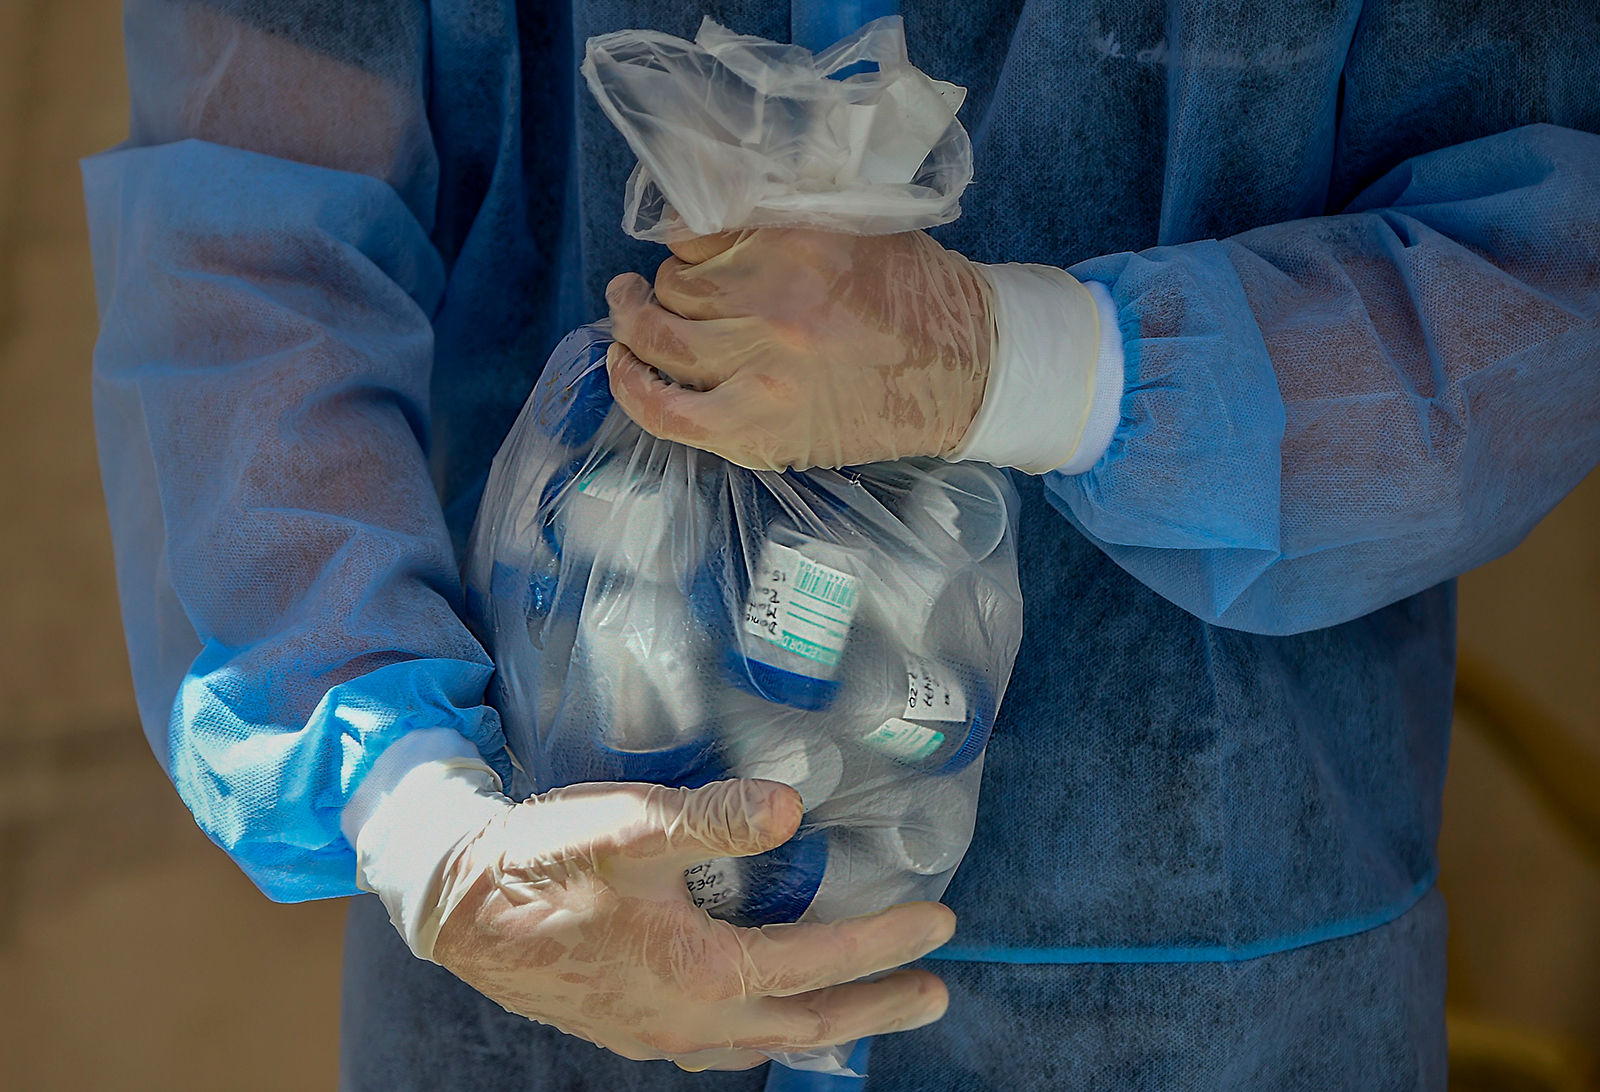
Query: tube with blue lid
634, 519
772, 888
781, 600
825, 873
791, 746
963, 504
931, 714
794, 625
637, 690
898, 844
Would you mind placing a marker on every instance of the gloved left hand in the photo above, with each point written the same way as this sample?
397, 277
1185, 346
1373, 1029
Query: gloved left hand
788, 347
570, 908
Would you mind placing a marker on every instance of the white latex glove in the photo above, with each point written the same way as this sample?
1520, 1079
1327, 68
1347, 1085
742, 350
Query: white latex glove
571, 909
790, 347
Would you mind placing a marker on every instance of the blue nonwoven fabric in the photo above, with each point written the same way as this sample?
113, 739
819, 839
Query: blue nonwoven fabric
289, 590
1349, 408
1360, 1014
1352, 245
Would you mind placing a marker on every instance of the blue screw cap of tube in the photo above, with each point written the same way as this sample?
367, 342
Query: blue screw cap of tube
979, 728
776, 685
575, 399
686, 765
781, 883
530, 593
689, 765
552, 488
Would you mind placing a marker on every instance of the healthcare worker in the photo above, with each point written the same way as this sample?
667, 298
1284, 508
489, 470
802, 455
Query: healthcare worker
1345, 259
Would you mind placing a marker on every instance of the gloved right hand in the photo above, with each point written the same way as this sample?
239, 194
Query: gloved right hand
791, 347
571, 909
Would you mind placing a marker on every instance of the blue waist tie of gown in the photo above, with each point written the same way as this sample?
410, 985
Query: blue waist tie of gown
1205, 954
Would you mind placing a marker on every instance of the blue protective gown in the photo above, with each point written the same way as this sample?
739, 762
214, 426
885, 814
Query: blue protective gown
1355, 249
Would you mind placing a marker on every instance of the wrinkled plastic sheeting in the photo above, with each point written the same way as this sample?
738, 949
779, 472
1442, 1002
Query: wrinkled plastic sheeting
656, 613
733, 131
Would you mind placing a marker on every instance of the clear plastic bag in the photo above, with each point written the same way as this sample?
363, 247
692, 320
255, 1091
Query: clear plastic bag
734, 132
658, 614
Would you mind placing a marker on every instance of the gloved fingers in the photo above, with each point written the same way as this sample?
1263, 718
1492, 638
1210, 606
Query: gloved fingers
702, 1060
709, 420
842, 1014
784, 960
625, 293
697, 277
733, 818
580, 824
709, 290
695, 353
667, 826
698, 248
775, 273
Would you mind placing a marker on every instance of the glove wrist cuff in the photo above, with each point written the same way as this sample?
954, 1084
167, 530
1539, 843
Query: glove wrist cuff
1057, 348
425, 807
1105, 401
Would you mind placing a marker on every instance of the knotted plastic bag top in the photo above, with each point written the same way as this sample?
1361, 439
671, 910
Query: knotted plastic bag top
734, 131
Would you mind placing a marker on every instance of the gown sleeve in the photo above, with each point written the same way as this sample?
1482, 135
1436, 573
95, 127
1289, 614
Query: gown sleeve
1325, 416
266, 283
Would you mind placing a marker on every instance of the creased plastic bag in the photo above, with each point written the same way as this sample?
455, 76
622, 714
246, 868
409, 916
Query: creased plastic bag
656, 613
734, 132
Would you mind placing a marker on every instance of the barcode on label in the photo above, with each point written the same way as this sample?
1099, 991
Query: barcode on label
801, 605
828, 585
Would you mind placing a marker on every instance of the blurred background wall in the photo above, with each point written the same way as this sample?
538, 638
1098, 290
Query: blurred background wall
133, 956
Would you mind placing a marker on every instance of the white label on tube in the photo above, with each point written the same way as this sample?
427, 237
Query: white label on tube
713, 884
933, 692
902, 739
801, 605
